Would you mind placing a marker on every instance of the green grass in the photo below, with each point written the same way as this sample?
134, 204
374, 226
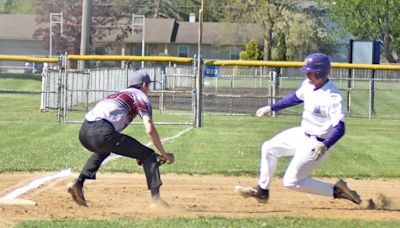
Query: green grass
225, 145
286, 222
26, 84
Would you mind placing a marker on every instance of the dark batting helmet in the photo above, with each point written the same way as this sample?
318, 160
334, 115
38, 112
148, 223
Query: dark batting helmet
317, 63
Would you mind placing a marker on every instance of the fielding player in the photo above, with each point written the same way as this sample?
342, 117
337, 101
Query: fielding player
100, 133
311, 143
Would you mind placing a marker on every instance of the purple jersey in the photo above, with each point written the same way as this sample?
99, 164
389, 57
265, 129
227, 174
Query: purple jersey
121, 108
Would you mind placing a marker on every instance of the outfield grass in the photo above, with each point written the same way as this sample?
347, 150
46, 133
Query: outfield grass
225, 145
33, 141
287, 222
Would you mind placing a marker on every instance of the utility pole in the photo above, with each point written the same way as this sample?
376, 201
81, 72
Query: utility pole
199, 76
85, 30
55, 18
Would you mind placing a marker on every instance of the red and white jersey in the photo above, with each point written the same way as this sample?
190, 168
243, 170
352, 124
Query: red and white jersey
121, 108
323, 108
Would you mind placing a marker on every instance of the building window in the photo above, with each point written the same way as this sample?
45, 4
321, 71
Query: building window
183, 51
234, 53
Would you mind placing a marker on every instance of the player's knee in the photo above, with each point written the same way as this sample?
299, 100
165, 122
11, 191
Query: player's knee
150, 157
266, 148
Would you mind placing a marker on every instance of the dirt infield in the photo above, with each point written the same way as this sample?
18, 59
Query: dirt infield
125, 195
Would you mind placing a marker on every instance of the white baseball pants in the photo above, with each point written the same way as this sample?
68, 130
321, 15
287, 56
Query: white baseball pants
293, 142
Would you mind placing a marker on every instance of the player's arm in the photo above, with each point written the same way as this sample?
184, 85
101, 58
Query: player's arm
338, 132
288, 101
322, 147
155, 138
336, 114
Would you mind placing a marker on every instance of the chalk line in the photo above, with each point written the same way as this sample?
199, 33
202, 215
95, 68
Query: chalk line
35, 184
66, 172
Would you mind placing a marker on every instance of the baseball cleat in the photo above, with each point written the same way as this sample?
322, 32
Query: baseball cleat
159, 203
76, 192
261, 195
341, 191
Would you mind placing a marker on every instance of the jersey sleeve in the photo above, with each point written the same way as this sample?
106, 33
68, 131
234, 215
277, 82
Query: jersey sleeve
336, 110
300, 91
143, 107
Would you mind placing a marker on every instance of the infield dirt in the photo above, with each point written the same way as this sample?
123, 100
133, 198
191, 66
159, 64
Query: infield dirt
115, 195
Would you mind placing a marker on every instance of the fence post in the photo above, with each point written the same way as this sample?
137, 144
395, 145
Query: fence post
161, 99
274, 88
371, 109
198, 63
64, 89
60, 103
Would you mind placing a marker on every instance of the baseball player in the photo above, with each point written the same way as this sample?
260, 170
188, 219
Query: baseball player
100, 133
310, 144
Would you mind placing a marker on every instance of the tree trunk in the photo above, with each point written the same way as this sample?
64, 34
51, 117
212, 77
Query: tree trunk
268, 45
386, 46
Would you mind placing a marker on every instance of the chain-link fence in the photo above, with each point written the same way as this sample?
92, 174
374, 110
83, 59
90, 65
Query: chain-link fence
171, 96
21, 92
58, 91
242, 90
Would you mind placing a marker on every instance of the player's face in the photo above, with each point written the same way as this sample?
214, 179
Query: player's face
146, 88
312, 79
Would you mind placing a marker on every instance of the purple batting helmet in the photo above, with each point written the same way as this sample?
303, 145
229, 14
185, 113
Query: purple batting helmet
317, 63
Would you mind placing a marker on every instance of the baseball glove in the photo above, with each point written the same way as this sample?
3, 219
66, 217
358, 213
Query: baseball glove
319, 151
160, 160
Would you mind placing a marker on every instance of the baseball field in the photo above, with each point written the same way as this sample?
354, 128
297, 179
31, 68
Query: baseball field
39, 157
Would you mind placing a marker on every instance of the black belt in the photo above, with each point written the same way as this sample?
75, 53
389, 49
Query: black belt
318, 138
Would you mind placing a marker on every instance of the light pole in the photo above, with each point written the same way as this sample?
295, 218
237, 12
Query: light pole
141, 23
55, 18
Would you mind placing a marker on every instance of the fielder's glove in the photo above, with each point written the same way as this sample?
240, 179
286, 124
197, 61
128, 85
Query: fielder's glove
319, 151
160, 159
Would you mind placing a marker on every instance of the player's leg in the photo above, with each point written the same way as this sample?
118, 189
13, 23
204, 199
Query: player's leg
130, 147
301, 167
91, 136
297, 175
283, 144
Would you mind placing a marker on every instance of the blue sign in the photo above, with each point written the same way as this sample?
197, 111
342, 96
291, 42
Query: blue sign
211, 71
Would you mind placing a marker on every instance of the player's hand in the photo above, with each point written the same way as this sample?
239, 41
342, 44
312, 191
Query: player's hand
264, 111
319, 151
169, 157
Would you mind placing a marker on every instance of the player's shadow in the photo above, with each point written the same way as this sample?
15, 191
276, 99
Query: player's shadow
358, 209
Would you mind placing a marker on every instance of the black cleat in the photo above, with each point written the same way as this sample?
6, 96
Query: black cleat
261, 195
76, 192
341, 191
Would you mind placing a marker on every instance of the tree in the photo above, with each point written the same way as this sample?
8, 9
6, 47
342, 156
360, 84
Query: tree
154, 8
300, 34
251, 51
17, 6
109, 17
266, 13
369, 19
281, 23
